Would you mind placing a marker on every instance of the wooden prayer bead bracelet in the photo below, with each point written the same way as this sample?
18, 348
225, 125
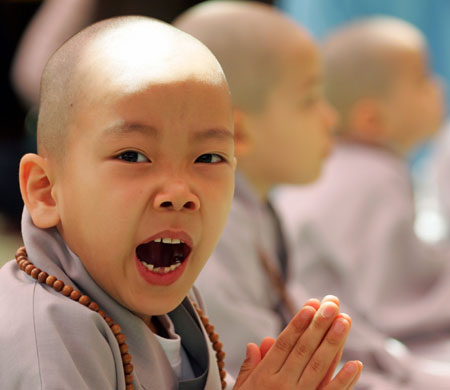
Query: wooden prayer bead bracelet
68, 291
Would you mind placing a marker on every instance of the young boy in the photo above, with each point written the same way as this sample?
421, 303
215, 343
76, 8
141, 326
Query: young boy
352, 232
124, 203
282, 134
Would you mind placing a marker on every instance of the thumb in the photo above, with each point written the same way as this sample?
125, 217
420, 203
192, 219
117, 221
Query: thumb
252, 359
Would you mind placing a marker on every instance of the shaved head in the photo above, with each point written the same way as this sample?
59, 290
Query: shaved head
362, 59
250, 40
124, 54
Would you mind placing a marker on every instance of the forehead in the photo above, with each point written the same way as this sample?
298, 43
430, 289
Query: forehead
160, 110
407, 63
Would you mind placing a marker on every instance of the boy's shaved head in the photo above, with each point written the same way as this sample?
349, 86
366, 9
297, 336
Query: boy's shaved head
124, 53
361, 59
250, 40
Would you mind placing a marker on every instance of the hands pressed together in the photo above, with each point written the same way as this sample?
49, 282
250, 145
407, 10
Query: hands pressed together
305, 355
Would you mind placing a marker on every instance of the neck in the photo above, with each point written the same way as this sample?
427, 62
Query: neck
153, 324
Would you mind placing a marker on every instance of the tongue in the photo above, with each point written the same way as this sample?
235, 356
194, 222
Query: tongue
159, 254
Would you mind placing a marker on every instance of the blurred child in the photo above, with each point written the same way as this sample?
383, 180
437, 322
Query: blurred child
352, 232
125, 201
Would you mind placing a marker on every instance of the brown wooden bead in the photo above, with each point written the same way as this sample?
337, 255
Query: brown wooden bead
128, 379
58, 285
224, 384
102, 313
128, 368
209, 328
217, 346
123, 348
67, 290
116, 329
109, 320
84, 300
214, 337
129, 387
29, 268
23, 264
223, 374
205, 321
34, 274
220, 355
75, 295
42, 277
126, 358
50, 280
120, 338
221, 364
93, 306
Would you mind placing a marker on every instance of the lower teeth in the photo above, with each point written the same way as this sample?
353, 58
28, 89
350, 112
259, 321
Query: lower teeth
161, 270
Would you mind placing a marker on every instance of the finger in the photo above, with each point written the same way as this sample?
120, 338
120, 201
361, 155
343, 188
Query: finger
338, 357
252, 359
358, 374
331, 298
346, 377
332, 369
279, 352
308, 343
313, 302
325, 355
265, 346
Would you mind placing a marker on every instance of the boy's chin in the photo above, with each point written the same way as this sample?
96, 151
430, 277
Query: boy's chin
157, 307
307, 177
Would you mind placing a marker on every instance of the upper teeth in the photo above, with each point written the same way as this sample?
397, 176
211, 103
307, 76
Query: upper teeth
167, 240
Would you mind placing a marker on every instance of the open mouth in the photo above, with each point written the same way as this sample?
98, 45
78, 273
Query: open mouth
163, 255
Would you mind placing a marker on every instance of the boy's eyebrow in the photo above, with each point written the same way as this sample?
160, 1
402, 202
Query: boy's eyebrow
211, 134
131, 127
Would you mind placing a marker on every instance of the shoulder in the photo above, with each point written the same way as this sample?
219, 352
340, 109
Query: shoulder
55, 339
370, 163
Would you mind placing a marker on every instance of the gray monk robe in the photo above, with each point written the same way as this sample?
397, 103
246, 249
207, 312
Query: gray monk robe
49, 341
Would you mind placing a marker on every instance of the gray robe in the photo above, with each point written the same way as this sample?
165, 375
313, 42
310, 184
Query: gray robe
242, 303
49, 341
351, 234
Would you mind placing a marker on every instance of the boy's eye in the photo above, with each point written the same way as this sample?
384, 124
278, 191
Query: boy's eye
209, 158
132, 156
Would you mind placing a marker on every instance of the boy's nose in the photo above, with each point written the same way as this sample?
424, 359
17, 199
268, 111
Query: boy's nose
177, 196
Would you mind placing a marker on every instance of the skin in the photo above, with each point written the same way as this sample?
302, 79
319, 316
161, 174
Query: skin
290, 138
414, 107
305, 354
151, 153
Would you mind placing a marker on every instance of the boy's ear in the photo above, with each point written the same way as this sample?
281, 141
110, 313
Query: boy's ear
36, 189
243, 138
366, 120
